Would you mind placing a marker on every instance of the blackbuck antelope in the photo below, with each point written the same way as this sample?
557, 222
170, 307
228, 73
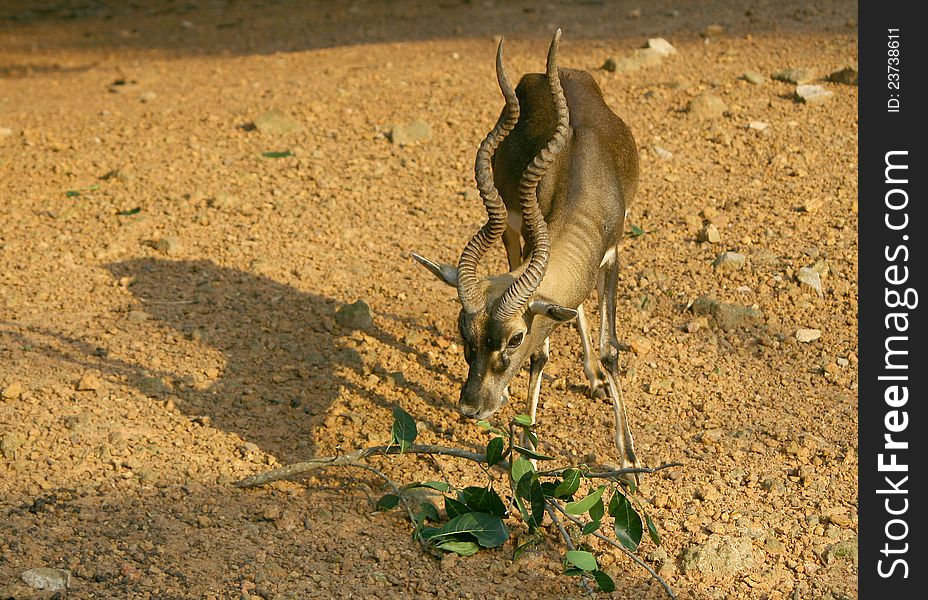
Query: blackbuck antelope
558, 170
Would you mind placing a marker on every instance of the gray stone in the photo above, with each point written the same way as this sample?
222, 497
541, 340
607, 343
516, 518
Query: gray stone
847, 76
754, 77
169, 245
729, 261
276, 122
719, 555
10, 443
812, 94
153, 387
727, 316
411, 133
808, 335
662, 152
641, 57
810, 278
356, 315
758, 125
661, 46
795, 75
842, 551
45, 578
706, 106
609, 65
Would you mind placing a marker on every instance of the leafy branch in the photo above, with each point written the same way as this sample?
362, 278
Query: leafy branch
474, 516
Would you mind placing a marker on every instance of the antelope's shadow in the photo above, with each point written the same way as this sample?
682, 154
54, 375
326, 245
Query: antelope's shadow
285, 357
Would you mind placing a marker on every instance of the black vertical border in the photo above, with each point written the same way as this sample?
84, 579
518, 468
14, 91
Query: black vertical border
881, 131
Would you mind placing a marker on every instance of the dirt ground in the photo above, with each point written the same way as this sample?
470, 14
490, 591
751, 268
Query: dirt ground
168, 293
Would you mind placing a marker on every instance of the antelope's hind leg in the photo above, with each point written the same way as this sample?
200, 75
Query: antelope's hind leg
609, 360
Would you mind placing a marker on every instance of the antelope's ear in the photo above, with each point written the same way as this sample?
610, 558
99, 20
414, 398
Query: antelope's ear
446, 273
552, 311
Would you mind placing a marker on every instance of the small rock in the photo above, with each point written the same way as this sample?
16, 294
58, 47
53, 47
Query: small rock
811, 94
153, 387
88, 383
662, 153
811, 204
13, 391
808, 335
729, 261
693, 223
276, 122
774, 546
713, 30
5, 132
661, 46
658, 556
147, 96
810, 278
169, 245
706, 106
754, 77
757, 125
609, 65
839, 519
696, 324
719, 555
640, 346
410, 133
10, 443
641, 57
223, 201
727, 316
634, 13
709, 233
137, 316
843, 551
847, 76
708, 493
356, 315
44, 578
118, 175
795, 76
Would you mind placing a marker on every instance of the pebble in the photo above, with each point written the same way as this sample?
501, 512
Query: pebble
147, 96
13, 391
847, 76
661, 46
696, 324
713, 30
88, 383
706, 106
662, 153
640, 346
810, 278
169, 245
729, 261
758, 125
808, 335
10, 443
634, 13
795, 76
153, 387
718, 555
137, 316
641, 57
811, 94
709, 233
811, 204
45, 578
842, 551
727, 316
410, 133
356, 315
5, 132
754, 77
276, 122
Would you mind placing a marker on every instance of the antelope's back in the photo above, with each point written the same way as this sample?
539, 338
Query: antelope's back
591, 119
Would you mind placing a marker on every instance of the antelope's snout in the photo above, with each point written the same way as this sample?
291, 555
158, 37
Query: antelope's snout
479, 400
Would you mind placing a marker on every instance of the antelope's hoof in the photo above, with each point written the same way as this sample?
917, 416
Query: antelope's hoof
599, 391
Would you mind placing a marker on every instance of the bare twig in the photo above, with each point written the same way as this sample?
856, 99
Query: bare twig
584, 578
625, 550
615, 473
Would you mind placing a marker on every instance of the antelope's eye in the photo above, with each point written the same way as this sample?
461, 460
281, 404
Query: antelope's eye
516, 340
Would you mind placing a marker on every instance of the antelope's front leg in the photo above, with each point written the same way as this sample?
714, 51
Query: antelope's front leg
591, 364
536, 366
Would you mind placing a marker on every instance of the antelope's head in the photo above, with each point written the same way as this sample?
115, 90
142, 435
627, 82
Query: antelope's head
502, 320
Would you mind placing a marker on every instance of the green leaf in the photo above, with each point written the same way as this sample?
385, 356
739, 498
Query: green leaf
570, 484
590, 527
581, 506
520, 466
531, 453
485, 500
529, 488
72, 193
441, 486
494, 451
279, 154
427, 511
628, 528
652, 530
130, 212
484, 425
582, 560
455, 507
404, 429
523, 420
573, 571
604, 582
597, 510
489, 530
388, 502
637, 231
459, 547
